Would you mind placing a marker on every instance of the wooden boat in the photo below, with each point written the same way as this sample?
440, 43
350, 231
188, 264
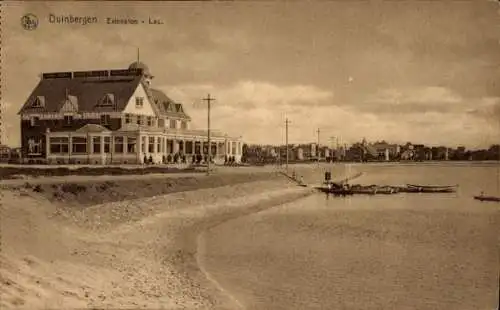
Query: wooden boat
363, 191
341, 192
411, 188
487, 198
385, 190
335, 190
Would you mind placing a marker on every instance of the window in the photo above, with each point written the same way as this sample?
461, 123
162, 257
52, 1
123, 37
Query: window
96, 142
170, 146
213, 149
150, 121
161, 123
128, 118
139, 120
158, 145
79, 145
131, 144
105, 119
221, 147
233, 148
189, 147
68, 119
35, 121
59, 145
139, 102
107, 144
184, 125
108, 100
197, 147
39, 102
173, 123
118, 143
34, 146
151, 146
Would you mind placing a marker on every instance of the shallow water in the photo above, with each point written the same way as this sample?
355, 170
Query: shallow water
406, 251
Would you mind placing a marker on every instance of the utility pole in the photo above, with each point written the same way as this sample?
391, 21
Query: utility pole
333, 155
209, 100
317, 149
286, 143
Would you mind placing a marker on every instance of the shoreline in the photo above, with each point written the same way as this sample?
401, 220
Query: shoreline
140, 252
198, 242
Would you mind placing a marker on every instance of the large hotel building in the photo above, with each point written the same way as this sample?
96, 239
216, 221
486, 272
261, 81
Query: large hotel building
113, 117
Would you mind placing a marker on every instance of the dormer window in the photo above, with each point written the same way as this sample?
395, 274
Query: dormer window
139, 102
105, 119
108, 100
39, 102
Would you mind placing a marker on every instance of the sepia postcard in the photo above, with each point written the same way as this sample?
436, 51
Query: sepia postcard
250, 155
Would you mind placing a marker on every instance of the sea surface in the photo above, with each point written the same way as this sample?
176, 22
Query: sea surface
404, 251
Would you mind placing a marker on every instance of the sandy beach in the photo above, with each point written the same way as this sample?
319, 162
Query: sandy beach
85, 248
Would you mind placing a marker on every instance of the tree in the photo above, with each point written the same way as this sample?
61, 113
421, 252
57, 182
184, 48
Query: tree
244, 153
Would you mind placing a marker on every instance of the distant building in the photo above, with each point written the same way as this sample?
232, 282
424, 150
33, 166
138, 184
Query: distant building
385, 150
300, 153
4, 153
112, 116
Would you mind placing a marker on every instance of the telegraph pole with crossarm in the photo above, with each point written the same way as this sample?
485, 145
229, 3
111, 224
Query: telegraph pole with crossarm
209, 100
317, 148
286, 142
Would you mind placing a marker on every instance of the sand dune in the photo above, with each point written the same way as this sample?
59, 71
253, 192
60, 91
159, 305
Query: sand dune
138, 253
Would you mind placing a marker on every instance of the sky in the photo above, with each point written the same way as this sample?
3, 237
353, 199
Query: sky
420, 71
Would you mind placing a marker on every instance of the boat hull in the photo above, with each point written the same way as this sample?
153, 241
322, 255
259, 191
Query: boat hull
410, 188
487, 198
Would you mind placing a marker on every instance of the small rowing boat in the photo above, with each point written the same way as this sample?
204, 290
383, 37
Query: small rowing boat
487, 198
385, 190
336, 191
411, 188
363, 191
482, 197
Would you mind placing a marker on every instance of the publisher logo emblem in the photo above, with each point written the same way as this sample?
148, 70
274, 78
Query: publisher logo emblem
29, 21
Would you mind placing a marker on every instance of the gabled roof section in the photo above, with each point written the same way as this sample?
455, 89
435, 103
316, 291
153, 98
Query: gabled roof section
89, 91
35, 104
38, 102
69, 105
92, 128
108, 100
166, 106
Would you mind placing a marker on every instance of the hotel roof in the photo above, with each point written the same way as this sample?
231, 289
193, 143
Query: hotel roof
86, 90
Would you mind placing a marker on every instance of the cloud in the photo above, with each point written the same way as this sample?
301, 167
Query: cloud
413, 100
252, 95
423, 96
487, 109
